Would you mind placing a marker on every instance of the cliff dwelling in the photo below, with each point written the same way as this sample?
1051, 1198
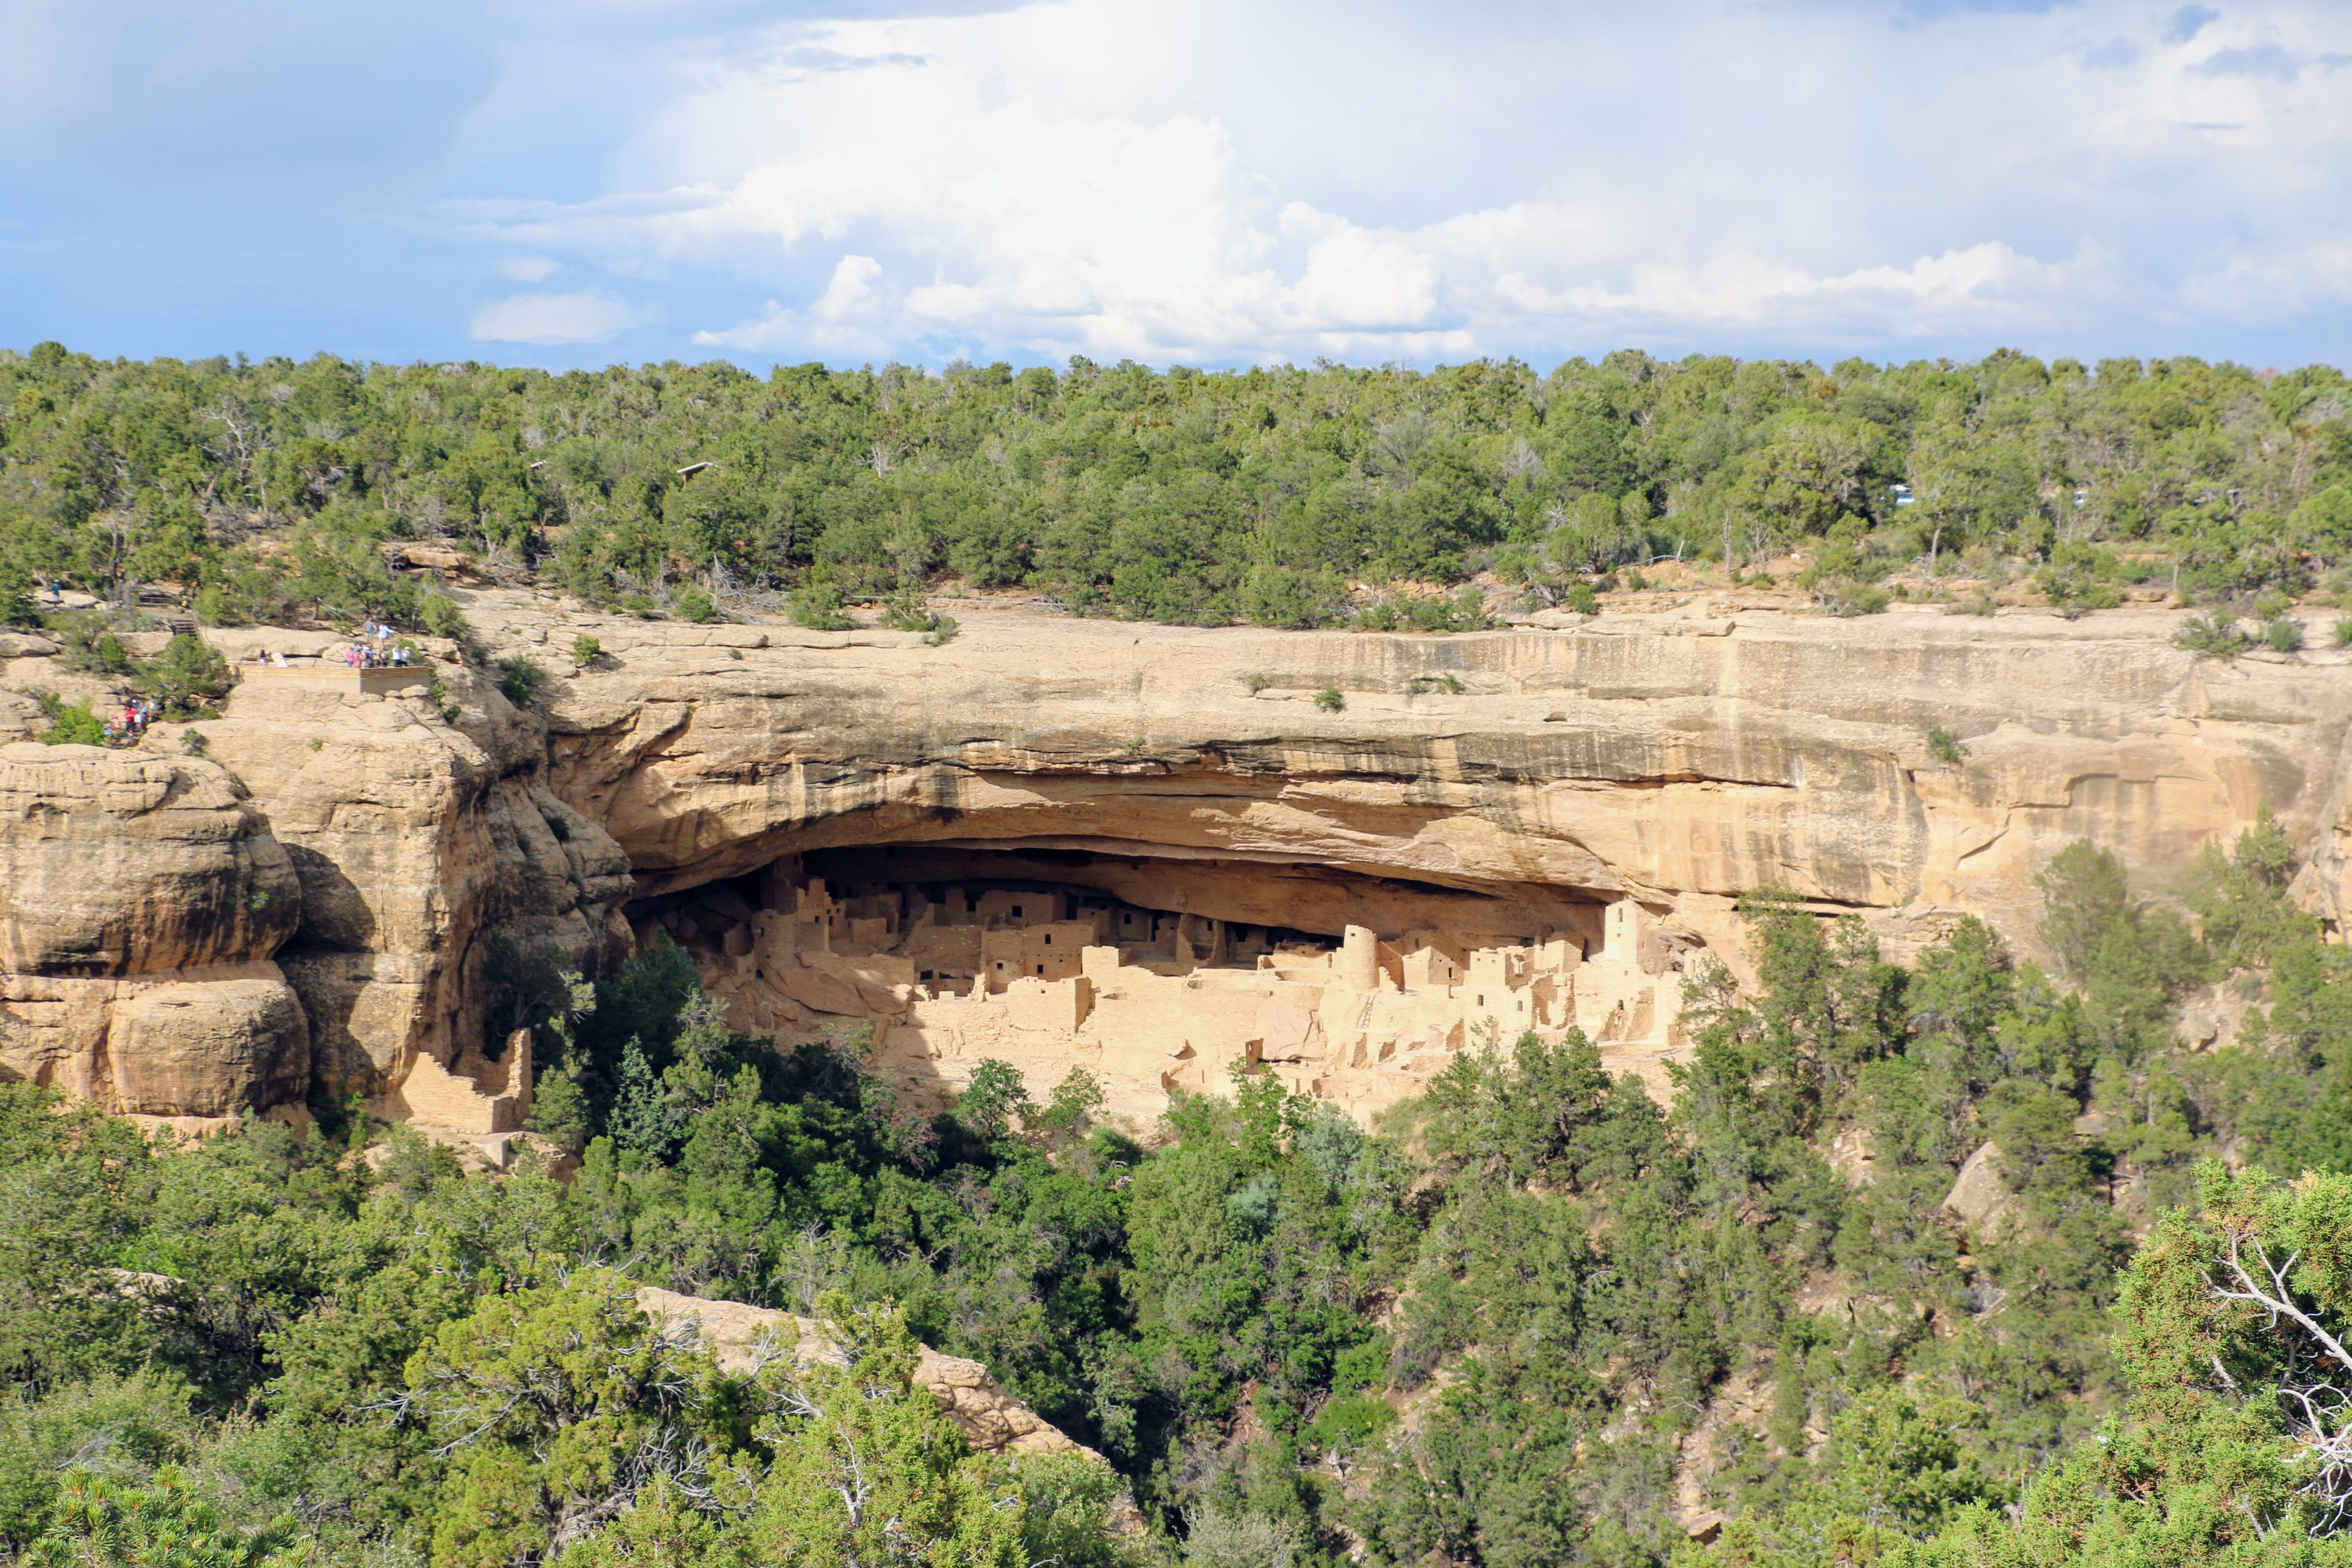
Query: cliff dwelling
1159, 974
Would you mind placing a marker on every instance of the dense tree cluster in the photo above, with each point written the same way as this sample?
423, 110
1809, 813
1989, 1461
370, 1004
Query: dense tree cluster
1490, 1334
1283, 496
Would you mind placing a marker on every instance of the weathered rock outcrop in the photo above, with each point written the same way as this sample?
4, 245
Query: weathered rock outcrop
1630, 758
322, 898
991, 1419
376, 858
124, 863
140, 900
417, 841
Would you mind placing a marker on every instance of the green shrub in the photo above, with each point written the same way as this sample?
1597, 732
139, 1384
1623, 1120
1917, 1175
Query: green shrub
186, 676
1257, 684
1329, 700
75, 726
908, 611
1980, 603
1846, 599
2283, 634
91, 646
1580, 599
691, 603
1945, 746
438, 613
519, 678
817, 606
213, 608
1465, 612
2344, 632
194, 743
586, 650
2210, 637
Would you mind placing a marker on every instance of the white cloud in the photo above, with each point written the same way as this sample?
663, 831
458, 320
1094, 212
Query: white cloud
1115, 178
528, 268
2268, 289
590, 316
1987, 287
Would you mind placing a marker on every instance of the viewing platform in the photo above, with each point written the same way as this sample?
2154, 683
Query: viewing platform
321, 675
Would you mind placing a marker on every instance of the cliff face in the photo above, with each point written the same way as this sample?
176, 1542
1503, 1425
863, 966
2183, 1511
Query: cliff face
1678, 761
321, 895
141, 901
417, 841
313, 899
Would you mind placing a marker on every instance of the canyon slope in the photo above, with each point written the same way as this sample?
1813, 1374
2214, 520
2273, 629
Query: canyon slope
324, 895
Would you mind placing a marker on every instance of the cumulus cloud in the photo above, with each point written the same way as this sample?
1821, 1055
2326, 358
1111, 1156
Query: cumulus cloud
590, 316
1102, 176
2275, 288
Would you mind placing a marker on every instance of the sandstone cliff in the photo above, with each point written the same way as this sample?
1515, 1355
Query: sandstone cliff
186, 937
1679, 760
315, 900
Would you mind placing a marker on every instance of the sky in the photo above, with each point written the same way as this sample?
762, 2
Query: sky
1215, 183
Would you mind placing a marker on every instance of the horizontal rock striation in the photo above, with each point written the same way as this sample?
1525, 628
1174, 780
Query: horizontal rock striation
1636, 757
326, 897
313, 903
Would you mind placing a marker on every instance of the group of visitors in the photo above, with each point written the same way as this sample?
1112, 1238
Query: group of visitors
125, 727
375, 649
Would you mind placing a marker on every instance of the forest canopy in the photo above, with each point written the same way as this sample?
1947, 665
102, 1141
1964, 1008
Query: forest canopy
1534, 1318
1283, 496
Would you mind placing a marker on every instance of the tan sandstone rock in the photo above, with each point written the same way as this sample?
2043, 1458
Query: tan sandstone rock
989, 1418
122, 862
1613, 760
419, 845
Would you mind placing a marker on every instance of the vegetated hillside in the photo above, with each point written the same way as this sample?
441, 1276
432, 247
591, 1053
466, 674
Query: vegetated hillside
1285, 496
1538, 1319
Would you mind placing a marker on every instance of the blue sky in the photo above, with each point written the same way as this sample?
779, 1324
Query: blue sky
574, 182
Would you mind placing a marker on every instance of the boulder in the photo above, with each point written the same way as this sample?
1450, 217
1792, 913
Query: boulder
127, 862
208, 1049
989, 1418
195, 1045
1980, 1195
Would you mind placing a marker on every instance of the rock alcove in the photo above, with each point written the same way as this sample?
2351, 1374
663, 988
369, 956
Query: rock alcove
1160, 969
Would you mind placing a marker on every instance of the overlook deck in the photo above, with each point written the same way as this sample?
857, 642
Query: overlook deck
320, 675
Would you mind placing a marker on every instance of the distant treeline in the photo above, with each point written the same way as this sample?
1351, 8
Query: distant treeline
1185, 496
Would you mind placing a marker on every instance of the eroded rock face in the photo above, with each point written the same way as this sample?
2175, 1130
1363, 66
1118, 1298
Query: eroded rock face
421, 846
375, 857
140, 899
325, 896
209, 1047
1634, 758
127, 862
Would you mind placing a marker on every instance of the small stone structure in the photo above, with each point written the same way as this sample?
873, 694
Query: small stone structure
472, 1095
